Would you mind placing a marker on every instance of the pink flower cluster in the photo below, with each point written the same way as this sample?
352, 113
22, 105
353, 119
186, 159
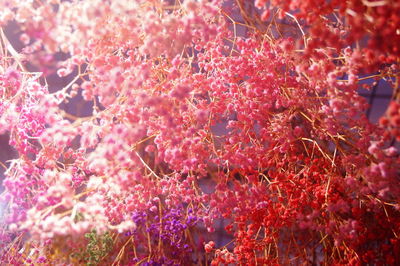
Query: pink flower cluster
188, 122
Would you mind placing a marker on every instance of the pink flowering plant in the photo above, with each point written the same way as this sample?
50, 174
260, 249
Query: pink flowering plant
196, 112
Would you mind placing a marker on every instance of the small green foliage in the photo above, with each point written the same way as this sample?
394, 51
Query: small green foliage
97, 248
